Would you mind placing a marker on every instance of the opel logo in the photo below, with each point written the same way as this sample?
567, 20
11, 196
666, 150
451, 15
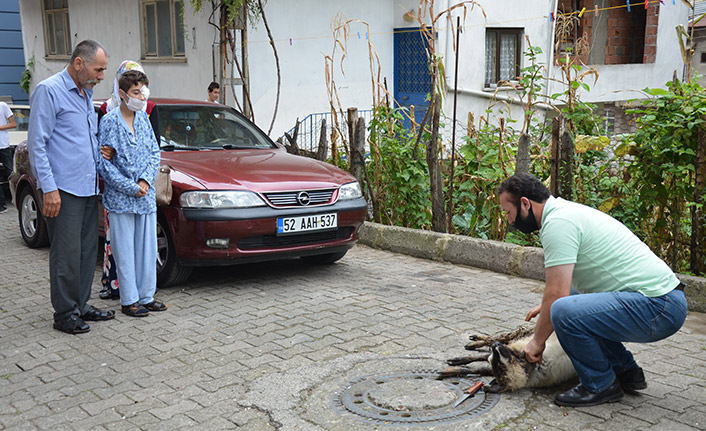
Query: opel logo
303, 199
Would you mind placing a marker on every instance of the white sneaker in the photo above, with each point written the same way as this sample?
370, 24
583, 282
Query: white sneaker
3, 210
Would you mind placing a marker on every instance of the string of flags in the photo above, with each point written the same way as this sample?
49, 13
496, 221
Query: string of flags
627, 5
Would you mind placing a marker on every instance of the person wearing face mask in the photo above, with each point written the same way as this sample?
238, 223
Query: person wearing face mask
129, 195
110, 275
603, 287
61, 143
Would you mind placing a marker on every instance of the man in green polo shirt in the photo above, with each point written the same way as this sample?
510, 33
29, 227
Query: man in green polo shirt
625, 292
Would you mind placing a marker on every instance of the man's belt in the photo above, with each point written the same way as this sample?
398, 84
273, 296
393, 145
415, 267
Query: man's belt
681, 287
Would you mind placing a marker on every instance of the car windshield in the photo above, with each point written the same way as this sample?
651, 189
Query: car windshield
207, 127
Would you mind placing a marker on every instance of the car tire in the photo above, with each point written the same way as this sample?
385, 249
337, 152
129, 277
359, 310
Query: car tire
325, 259
169, 271
32, 225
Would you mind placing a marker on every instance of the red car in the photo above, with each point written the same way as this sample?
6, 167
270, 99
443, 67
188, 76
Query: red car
237, 196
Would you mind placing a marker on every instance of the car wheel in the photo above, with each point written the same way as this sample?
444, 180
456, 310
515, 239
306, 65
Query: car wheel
169, 271
325, 259
32, 224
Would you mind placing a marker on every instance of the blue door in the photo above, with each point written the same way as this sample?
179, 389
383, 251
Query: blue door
12, 59
412, 82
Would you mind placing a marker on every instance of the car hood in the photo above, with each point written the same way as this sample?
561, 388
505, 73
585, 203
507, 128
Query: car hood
262, 170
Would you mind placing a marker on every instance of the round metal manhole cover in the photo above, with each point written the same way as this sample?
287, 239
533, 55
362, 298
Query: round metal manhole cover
412, 397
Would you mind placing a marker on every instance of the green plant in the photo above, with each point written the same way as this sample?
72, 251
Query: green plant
664, 167
26, 78
396, 176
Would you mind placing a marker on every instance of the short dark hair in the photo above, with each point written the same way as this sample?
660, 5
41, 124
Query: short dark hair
212, 86
131, 78
524, 185
87, 50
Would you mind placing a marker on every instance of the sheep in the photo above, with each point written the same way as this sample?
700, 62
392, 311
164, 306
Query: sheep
505, 361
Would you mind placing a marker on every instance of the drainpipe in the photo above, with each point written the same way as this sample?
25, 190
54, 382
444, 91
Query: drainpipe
495, 96
550, 64
448, 42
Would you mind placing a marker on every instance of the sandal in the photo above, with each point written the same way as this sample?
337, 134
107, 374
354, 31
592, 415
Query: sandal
135, 310
155, 306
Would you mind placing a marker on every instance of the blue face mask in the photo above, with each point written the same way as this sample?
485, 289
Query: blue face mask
526, 225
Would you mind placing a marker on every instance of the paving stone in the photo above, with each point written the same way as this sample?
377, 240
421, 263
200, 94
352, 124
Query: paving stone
200, 364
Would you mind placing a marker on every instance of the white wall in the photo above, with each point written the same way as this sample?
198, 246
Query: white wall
532, 17
116, 25
308, 23
302, 63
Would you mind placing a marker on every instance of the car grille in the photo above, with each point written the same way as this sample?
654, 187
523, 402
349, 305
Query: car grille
268, 241
292, 199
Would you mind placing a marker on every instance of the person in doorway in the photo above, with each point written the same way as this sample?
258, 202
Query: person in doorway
109, 279
7, 121
129, 195
625, 292
214, 92
62, 149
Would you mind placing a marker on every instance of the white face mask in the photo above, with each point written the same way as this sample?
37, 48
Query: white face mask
136, 104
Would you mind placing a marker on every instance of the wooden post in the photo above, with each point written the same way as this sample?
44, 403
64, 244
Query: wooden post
350, 121
697, 262
322, 151
358, 150
554, 171
292, 147
522, 161
566, 166
438, 218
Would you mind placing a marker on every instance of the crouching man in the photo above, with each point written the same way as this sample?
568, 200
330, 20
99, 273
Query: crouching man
626, 293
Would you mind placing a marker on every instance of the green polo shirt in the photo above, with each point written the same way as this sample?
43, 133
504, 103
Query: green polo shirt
607, 256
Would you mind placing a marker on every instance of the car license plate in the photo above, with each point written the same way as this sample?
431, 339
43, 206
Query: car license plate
307, 223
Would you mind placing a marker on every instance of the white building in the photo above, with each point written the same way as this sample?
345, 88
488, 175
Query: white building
182, 61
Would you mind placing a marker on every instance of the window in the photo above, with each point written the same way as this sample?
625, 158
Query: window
502, 55
162, 29
57, 34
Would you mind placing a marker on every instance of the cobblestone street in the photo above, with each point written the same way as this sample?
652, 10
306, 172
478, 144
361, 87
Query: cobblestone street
268, 346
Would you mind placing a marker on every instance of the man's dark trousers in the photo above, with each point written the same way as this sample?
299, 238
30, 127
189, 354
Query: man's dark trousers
72, 257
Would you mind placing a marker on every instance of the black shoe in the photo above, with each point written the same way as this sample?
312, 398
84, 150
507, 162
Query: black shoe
108, 294
632, 379
94, 314
72, 325
582, 397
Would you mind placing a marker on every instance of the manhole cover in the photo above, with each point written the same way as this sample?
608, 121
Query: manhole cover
412, 397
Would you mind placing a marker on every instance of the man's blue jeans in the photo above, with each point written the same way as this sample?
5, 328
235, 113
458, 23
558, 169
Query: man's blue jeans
592, 327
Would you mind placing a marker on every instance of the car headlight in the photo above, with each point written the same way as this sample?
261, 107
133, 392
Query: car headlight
350, 191
225, 199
